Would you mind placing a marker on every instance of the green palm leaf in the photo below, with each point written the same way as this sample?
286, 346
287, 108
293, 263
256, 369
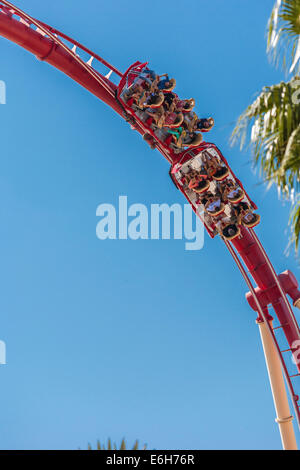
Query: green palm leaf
283, 43
295, 224
272, 124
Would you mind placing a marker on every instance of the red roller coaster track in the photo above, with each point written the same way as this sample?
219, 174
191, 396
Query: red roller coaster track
59, 50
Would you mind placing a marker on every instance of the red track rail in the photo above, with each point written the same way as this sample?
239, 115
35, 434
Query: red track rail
264, 316
49, 45
17, 26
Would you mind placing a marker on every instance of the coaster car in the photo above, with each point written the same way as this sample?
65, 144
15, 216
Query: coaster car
205, 160
141, 89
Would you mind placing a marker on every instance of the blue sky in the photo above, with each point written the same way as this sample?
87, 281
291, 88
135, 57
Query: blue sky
119, 338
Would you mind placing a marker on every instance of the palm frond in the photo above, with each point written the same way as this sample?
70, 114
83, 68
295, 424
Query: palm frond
272, 125
283, 43
295, 224
111, 446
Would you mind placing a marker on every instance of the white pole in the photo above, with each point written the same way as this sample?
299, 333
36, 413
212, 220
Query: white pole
284, 417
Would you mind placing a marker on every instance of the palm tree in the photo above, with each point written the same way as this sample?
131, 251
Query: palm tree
111, 446
275, 114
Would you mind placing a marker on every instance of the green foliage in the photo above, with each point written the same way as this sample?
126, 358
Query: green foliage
283, 43
274, 117
111, 446
295, 224
275, 134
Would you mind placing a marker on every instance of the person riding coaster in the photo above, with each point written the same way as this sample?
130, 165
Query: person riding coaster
162, 118
170, 114
215, 169
199, 185
245, 215
205, 125
213, 205
189, 139
134, 94
149, 79
140, 93
228, 229
156, 115
197, 181
170, 101
194, 124
172, 120
151, 100
179, 138
221, 173
148, 76
157, 82
184, 106
231, 192
167, 84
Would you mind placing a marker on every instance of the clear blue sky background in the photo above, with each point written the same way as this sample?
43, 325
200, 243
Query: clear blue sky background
140, 339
